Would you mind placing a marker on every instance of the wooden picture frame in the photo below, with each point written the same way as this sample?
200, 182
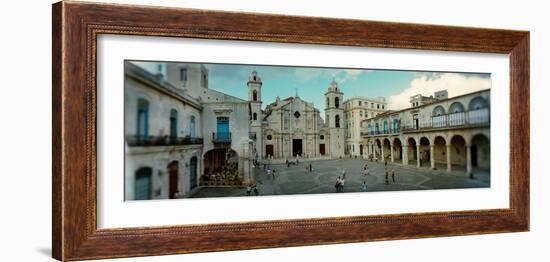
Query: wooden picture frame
76, 26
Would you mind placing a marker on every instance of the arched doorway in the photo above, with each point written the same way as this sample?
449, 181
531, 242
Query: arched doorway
440, 152
458, 152
424, 151
481, 152
412, 151
387, 149
397, 149
143, 183
193, 172
221, 164
173, 184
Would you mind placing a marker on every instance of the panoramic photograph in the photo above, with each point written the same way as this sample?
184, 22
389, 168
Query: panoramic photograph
202, 130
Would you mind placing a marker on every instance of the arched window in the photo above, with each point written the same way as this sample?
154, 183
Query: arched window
254, 95
254, 116
438, 111
456, 107
337, 102
142, 119
192, 129
337, 121
142, 183
478, 103
173, 124
328, 102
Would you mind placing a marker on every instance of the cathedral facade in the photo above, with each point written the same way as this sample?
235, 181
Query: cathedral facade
293, 127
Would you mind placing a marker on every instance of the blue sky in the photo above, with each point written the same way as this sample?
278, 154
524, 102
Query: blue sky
311, 83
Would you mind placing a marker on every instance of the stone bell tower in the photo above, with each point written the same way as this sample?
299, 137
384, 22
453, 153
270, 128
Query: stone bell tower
334, 116
256, 115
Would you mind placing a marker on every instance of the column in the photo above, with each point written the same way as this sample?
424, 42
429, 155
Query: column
405, 155
391, 152
432, 158
418, 154
468, 159
448, 157
382, 150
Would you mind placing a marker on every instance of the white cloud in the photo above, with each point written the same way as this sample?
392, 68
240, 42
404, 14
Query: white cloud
455, 84
340, 75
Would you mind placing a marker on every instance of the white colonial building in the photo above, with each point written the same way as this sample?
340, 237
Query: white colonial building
180, 134
356, 110
446, 133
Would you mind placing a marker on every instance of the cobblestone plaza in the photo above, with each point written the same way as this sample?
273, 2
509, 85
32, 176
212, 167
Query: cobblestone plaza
297, 180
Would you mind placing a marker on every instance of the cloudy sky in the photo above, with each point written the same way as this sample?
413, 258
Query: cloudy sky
311, 83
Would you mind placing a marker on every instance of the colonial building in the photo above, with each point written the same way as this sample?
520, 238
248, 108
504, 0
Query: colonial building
356, 110
164, 147
444, 133
181, 135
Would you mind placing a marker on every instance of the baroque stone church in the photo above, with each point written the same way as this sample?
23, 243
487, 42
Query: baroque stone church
293, 127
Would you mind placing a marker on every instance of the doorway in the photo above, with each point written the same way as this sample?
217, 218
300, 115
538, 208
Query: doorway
296, 147
269, 150
322, 149
173, 172
474, 155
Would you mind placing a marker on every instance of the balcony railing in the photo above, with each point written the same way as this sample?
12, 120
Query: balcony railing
221, 138
135, 140
460, 119
381, 132
469, 118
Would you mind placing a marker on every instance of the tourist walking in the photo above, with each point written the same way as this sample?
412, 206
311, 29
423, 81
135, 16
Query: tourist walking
248, 190
366, 171
255, 188
393, 175
364, 187
310, 168
337, 185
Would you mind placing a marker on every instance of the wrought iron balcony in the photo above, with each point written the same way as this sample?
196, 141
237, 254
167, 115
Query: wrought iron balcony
480, 117
135, 140
221, 138
461, 119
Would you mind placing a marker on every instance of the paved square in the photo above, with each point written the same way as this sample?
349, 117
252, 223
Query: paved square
296, 180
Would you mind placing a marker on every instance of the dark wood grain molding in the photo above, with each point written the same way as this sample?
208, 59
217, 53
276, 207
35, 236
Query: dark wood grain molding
75, 28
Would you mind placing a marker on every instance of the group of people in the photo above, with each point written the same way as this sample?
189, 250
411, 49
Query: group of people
340, 182
252, 188
288, 163
270, 173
